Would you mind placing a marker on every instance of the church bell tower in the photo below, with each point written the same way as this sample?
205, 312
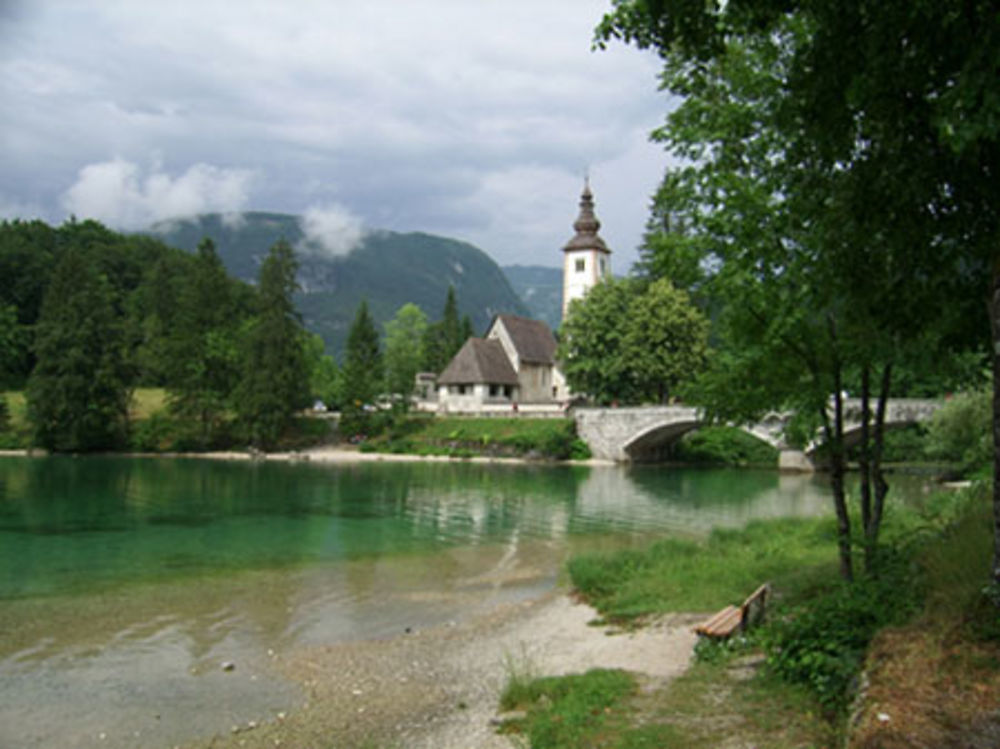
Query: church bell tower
586, 259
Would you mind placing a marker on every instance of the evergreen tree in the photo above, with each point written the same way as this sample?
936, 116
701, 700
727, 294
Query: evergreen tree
363, 367
78, 393
275, 378
203, 370
445, 337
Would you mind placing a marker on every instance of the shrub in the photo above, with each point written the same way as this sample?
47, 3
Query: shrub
822, 643
724, 446
961, 430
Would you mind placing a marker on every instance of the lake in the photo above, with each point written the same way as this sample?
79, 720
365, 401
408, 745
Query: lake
127, 585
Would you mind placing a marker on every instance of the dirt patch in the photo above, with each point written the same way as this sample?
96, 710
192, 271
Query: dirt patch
440, 687
928, 690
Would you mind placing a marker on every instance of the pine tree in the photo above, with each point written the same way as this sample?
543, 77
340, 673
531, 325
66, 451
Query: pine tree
363, 367
204, 367
275, 379
78, 393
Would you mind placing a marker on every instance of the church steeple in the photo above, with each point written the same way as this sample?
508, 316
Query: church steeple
587, 259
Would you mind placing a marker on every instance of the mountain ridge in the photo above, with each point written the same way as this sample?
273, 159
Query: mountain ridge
386, 268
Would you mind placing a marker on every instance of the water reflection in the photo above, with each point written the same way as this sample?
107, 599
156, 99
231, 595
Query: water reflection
124, 583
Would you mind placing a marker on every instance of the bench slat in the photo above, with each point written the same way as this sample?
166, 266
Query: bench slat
721, 624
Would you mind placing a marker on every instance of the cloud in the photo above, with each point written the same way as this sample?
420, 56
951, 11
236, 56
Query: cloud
331, 230
119, 194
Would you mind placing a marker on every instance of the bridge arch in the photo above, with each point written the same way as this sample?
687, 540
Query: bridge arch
650, 443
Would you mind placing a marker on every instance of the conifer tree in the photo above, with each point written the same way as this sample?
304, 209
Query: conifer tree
204, 366
78, 393
363, 367
275, 378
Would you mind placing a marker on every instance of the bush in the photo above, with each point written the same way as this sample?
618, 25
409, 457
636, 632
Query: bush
961, 431
822, 643
724, 446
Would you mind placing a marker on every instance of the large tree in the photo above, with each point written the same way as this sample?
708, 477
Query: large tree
363, 364
404, 352
630, 342
79, 390
275, 378
203, 344
847, 162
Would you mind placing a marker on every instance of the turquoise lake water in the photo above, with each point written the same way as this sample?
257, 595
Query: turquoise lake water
126, 583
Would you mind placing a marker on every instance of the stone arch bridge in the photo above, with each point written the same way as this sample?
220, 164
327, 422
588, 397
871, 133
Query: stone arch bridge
641, 434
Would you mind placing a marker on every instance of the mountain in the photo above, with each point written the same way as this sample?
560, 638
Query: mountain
387, 268
541, 289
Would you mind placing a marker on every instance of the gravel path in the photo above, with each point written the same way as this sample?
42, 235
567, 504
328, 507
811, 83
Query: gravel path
440, 688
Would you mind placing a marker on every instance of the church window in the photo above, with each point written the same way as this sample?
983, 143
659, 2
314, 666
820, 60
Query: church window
581, 265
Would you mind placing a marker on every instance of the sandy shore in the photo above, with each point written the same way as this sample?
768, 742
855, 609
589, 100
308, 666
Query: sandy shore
324, 454
440, 688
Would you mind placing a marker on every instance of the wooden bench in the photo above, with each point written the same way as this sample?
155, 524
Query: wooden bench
724, 623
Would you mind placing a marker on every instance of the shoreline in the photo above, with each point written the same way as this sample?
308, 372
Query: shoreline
324, 454
439, 688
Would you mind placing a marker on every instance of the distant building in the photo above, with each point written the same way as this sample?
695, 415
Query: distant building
586, 259
513, 364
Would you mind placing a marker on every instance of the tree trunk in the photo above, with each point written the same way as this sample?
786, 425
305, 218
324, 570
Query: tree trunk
835, 442
995, 330
881, 485
864, 462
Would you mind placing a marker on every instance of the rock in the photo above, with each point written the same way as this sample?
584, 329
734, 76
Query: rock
228, 666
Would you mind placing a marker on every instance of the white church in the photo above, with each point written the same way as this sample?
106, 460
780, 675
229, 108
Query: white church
514, 367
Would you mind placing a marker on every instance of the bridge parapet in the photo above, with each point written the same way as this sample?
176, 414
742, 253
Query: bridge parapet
623, 434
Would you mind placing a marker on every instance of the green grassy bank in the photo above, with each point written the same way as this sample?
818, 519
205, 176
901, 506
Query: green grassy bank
461, 437
793, 681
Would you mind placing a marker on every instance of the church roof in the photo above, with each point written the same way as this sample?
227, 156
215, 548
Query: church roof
479, 361
586, 226
532, 339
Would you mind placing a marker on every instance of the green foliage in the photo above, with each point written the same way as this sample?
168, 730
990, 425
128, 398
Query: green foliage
274, 383
78, 391
553, 439
202, 346
568, 711
324, 375
632, 342
961, 430
363, 376
723, 446
404, 350
4, 414
444, 338
822, 643
685, 575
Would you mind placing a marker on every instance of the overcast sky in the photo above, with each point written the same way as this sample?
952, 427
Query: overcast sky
468, 118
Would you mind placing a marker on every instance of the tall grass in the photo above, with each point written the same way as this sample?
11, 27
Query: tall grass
682, 575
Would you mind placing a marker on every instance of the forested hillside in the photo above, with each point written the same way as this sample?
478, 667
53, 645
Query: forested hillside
388, 269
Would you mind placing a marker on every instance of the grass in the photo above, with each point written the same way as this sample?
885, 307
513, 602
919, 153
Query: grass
580, 710
498, 437
794, 554
925, 630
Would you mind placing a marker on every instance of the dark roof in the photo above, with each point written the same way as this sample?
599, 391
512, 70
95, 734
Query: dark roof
586, 226
532, 339
479, 361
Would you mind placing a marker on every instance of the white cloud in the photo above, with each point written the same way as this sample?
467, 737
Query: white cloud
330, 229
119, 194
